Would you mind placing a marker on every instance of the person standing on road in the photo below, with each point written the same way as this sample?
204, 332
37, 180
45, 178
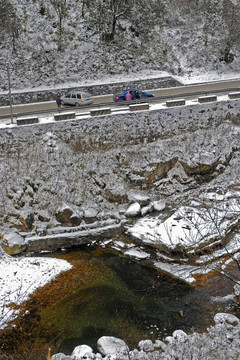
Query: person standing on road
58, 101
128, 96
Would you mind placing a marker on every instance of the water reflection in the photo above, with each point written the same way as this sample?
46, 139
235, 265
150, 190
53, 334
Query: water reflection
113, 295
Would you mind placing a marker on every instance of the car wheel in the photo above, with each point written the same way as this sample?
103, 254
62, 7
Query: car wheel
77, 104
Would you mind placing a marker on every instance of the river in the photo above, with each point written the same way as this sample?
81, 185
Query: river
108, 294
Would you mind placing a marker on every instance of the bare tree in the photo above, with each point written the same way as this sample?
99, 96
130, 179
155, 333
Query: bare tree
212, 237
105, 15
231, 17
110, 17
61, 9
9, 23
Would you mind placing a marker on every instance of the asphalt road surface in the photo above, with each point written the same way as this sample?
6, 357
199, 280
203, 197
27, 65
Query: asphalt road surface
186, 91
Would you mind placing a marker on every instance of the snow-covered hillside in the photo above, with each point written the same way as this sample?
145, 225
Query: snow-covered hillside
49, 43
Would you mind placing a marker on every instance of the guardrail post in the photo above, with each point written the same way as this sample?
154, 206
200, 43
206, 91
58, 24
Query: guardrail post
234, 95
209, 98
65, 116
97, 112
27, 121
177, 102
136, 107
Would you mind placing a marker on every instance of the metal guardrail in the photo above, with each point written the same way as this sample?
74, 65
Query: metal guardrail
154, 99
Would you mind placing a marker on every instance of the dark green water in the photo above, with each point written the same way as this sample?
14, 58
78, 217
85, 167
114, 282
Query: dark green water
119, 297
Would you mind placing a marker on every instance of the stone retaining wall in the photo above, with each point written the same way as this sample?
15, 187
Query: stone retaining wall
110, 131
99, 89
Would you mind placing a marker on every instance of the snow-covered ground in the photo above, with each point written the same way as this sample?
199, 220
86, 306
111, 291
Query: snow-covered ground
21, 276
187, 229
189, 225
189, 78
196, 77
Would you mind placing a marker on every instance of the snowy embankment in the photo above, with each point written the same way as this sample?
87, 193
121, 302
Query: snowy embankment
189, 228
21, 276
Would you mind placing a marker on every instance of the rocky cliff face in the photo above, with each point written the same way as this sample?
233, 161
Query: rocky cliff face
64, 177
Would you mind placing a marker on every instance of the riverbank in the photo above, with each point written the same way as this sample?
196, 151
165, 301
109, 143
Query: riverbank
104, 294
221, 341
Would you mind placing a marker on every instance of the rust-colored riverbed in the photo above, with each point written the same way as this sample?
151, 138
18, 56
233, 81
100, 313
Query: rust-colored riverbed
105, 294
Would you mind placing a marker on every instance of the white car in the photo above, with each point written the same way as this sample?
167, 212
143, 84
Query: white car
76, 98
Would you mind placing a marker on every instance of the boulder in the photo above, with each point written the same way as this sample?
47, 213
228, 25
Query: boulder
143, 356
109, 345
159, 205
67, 217
61, 356
146, 345
236, 290
90, 215
116, 194
143, 200
98, 356
63, 215
180, 335
43, 217
147, 209
75, 219
27, 221
160, 345
13, 243
169, 339
133, 210
224, 318
82, 352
